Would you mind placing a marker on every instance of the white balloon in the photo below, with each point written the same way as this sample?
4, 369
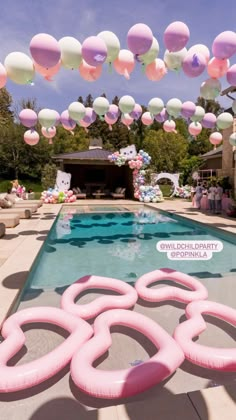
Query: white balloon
47, 117
19, 68
71, 56
112, 44
174, 60
76, 111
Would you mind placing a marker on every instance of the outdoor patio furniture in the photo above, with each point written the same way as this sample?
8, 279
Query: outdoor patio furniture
78, 193
10, 220
21, 212
2, 229
24, 205
119, 193
98, 194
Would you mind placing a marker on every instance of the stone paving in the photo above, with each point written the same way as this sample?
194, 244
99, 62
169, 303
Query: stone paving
18, 249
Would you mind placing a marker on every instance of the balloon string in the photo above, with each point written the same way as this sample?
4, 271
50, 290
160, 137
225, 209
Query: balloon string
110, 68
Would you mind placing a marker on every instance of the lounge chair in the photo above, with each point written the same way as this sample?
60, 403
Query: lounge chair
78, 193
10, 220
119, 193
2, 229
22, 212
32, 207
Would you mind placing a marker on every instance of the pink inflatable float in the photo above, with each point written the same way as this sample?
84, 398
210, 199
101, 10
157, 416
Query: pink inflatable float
127, 382
208, 357
14, 378
127, 300
198, 291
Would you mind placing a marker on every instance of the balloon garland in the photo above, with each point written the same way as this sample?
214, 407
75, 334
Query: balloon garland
47, 56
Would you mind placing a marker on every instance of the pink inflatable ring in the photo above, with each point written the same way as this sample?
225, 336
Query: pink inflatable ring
169, 292
14, 378
208, 357
126, 382
90, 310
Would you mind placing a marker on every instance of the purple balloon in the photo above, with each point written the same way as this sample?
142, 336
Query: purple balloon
94, 51
66, 121
45, 50
224, 45
176, 36
137, 112
90, 115
209, 120
194, 64
58, 119
139, 39
163, 116
113, 112
188, 109
28, 117
231, 75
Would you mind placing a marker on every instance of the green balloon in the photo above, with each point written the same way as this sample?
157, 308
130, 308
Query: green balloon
151, 54
112, 44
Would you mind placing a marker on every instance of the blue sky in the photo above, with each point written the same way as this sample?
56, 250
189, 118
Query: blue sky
21, 20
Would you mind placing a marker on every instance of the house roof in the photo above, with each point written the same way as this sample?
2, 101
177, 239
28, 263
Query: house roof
92, 154
213, 153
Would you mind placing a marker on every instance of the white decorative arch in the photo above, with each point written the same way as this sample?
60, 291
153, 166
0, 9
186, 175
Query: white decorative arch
172, 177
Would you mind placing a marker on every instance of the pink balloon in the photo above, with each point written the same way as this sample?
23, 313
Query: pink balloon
188, 109
209, 120
176, 36
194, 64
231, 75
139, 39
156, 70
66, 121
110, 121
217, 68
48, 73
31, 137
45, 50
49, 133
216, 138
162, 116
169, 126
224, 45
147, 119
89, 73
3, 76
113, 112
58, 119
28, 117
124, 64
94, 51
84, 124
137, 112
90, 116
127, 120
194, 128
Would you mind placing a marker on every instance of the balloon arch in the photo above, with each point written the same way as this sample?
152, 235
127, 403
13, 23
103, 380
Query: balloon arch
174, 178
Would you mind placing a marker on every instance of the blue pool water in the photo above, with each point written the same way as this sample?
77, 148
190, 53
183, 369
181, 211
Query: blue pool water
120, 245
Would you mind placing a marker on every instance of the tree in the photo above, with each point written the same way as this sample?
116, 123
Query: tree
6, 115
49, 174
209, 105
167, 150
200, 145
187, 166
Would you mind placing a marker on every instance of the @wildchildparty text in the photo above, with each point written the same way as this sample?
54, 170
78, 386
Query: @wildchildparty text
189, 250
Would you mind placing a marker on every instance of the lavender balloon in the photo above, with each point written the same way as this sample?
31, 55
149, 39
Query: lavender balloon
45, 50
163, 116
90, 115
188, 109
176, 36
94, 51
137, 112
139, 39
113, 112
28, 117
194, 64
66, 121
231, 75
224, 45
209, 120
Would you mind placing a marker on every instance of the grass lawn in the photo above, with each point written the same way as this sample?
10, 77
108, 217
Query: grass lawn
165, 189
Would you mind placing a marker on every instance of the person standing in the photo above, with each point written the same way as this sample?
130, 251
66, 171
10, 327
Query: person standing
199, 192
218, 198
211, 197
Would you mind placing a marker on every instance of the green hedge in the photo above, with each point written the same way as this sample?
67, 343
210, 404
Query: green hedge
35, 186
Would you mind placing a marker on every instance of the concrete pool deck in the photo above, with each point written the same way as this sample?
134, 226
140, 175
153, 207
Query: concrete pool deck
56, 399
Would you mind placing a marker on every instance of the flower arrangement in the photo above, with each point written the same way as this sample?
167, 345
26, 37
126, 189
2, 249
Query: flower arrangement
183, 192
117, 158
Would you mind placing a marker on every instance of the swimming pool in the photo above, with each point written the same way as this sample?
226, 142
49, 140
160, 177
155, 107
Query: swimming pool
120, 244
